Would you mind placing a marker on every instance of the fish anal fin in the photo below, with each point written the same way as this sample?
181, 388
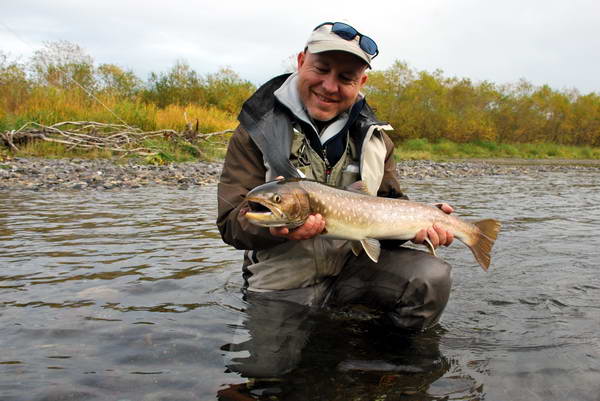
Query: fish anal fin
372, 248
430, 247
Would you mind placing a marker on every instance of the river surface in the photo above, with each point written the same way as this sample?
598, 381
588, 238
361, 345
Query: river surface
131, 295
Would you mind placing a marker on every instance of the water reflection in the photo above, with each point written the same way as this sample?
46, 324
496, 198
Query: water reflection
132, 295
293, 353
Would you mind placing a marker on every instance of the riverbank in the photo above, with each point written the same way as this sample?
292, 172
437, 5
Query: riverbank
102, 174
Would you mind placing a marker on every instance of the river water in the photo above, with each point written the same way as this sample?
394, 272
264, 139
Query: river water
131, 295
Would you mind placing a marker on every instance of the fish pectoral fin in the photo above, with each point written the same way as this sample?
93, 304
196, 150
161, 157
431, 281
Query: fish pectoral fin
356, 247
430, 247
372, 248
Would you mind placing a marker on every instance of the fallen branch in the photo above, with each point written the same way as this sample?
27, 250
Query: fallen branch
94, 135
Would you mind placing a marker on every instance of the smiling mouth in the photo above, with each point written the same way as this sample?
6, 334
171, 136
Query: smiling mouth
324, 99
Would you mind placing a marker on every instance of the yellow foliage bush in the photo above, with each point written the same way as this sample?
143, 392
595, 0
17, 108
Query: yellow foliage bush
210, 119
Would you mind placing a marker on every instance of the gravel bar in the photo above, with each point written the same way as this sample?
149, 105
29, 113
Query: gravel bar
103, 174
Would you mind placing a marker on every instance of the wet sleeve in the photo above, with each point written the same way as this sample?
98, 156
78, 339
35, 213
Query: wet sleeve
243, 170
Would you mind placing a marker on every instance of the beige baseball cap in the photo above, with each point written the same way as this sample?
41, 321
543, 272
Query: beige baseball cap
322, 39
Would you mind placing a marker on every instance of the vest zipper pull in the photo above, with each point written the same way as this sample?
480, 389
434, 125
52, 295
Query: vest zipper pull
327, 165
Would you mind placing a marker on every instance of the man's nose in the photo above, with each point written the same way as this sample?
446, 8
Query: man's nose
330, 83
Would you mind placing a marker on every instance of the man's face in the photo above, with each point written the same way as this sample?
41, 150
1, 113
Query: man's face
329, 82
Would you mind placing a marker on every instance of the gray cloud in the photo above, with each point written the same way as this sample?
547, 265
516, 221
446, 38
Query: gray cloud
546, 42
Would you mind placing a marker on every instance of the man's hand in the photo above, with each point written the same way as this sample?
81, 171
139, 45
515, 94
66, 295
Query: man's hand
436, 234
313, 226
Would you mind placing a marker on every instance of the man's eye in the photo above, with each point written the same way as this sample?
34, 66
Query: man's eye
321, 70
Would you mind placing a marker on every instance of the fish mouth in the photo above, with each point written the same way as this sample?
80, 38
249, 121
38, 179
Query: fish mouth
258, 207
266, 215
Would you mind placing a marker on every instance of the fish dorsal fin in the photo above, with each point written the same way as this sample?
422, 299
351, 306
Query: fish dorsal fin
372, 248
359, 187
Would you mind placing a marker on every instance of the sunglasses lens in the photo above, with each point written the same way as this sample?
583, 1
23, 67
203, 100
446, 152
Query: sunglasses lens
368, 45
347, 32
344, 30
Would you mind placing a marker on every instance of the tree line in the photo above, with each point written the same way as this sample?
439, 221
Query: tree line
61, 82
425, 105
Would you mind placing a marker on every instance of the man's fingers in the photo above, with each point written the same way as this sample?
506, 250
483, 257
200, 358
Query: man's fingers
305, 231
445, 237
433, 237
321, 226
444, 207
313, 226
420, 236
441, 233
436, 235
279, 231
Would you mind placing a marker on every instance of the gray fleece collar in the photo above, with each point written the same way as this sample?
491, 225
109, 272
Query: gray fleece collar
289, 96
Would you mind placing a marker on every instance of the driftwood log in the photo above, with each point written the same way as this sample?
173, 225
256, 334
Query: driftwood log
94, 135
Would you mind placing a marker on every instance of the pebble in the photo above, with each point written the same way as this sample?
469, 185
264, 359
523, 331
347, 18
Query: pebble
102, 174
420, 169
108, 175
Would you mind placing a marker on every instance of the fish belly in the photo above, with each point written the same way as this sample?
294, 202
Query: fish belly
375, 221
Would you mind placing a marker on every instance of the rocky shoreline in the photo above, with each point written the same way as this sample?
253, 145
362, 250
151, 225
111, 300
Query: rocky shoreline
101, 174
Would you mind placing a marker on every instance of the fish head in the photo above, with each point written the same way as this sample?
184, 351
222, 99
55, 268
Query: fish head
281, 203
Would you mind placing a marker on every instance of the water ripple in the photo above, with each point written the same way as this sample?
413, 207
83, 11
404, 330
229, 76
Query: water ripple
132, 294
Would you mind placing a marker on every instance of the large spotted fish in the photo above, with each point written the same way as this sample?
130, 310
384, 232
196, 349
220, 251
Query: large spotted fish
354, 215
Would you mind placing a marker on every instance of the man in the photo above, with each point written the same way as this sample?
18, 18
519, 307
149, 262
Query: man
315, 123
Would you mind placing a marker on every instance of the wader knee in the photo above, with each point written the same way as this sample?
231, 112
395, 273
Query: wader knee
411, 286
424, 297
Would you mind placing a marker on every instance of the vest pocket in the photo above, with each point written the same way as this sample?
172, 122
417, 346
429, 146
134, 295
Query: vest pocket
350, 174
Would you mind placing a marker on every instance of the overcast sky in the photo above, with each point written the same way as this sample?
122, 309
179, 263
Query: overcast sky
545, 42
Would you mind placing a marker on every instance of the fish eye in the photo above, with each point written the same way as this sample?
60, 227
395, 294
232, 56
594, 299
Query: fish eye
277, 198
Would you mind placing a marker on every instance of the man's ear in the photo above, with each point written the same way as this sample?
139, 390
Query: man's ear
300, 58
363, 79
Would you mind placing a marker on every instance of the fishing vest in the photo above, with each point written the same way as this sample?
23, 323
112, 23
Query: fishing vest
308, 161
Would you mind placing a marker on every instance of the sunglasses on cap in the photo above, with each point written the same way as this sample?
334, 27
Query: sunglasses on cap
348, 32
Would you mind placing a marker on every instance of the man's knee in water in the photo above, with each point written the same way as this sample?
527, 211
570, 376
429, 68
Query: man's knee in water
423, 299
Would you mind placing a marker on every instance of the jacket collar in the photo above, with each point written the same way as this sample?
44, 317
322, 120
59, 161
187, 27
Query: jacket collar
262, 117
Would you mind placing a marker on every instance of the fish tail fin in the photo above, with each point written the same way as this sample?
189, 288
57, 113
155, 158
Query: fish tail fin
482, 242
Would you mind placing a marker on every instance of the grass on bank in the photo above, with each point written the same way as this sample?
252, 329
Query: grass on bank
421, 149
168, 151
178, 150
